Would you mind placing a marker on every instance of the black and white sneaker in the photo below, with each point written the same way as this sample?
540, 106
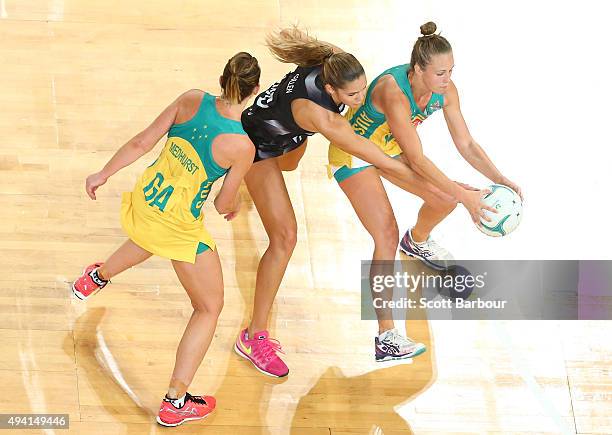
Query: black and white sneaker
391, 345
429, 252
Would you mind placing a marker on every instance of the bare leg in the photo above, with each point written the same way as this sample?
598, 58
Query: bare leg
128, 255
203, 282
289, 162
267, 187
437, 204
367, 194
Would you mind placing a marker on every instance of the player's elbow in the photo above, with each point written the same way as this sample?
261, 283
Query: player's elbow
140, 143
222, 206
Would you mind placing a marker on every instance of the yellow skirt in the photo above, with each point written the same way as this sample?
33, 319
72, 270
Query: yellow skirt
381, 137
152, 232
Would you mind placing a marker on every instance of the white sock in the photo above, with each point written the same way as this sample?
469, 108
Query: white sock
178, 403
382, 334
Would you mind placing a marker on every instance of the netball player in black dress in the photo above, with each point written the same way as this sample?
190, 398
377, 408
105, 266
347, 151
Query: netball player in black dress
306, 101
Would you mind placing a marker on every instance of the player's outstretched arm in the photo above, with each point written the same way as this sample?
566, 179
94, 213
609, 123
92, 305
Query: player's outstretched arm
135, 148
396, 108
469, 149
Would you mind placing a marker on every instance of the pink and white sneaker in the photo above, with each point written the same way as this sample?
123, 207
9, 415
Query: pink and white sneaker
261, 351
89, 283
173, 412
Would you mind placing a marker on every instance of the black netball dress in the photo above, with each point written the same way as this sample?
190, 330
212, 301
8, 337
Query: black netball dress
269, 121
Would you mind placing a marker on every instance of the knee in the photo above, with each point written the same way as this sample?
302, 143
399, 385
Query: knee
284, 238
445, 205
211, 306
387, 236
441, 201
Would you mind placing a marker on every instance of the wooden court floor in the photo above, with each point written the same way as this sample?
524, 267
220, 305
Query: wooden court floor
78, 79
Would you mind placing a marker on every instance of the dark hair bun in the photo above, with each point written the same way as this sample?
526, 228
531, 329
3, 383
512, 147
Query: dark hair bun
428, 28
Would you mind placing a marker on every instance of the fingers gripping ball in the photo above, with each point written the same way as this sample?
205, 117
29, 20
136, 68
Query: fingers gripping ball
509, 211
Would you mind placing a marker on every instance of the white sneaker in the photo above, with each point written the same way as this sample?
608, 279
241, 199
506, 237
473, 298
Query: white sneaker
391, 345
428, 251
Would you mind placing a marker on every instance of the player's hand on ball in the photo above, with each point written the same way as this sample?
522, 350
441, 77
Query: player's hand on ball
472, 202
509, 207
93, 182
512, 186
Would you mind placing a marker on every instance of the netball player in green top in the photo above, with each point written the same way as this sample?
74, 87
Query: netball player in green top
396, 102
306, 101
162, 215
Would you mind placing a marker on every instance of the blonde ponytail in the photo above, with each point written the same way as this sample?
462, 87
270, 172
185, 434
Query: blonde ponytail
231, 91
293, 45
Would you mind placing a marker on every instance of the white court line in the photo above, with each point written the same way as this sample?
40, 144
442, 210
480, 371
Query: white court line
105, 357
31, 382
3, 13
529, 379
30, 370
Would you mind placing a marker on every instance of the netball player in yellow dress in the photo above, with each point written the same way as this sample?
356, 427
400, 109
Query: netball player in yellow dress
163, 214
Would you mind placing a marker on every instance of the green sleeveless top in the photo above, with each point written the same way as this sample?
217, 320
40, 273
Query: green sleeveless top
163, 214
368, 122
198, 134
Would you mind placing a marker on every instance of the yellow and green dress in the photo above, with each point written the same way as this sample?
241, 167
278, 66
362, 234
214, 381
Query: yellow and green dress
163, 214
370, 123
